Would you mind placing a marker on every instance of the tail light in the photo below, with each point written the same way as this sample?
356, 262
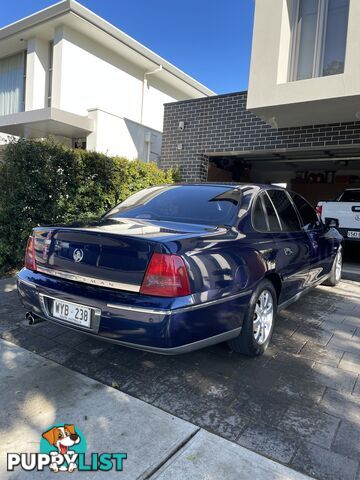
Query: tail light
166, 276
30, 254
319, 210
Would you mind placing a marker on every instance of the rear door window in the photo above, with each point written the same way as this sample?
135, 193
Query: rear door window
307, 213
271, 215
285, 210
259, 219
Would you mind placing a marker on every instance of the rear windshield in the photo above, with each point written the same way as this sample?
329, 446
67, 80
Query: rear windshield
206, 205
350, 196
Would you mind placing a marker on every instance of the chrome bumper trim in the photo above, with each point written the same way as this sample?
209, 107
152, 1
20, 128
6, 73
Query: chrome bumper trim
155, 311
89, 280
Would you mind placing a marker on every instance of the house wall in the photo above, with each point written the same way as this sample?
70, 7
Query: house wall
112, 130
91, 76
330, 98
223, 124
37, 65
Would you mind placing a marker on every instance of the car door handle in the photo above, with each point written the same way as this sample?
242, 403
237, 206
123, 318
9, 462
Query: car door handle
288, 251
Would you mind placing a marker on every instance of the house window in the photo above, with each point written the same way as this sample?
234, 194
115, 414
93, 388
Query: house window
50, 73
319, 35
12, 84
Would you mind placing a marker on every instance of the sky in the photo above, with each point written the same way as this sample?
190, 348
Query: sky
207, 39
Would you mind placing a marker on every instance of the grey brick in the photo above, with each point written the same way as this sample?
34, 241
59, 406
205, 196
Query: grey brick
312, 425
350, 362
327, 356
223, 422
347, 440
356, 391
341, 405
271, 442
323, 464
334, 378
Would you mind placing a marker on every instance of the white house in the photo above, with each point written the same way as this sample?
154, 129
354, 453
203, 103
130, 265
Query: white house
67, 73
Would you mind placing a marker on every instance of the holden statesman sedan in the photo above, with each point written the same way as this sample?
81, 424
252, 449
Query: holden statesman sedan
179, 267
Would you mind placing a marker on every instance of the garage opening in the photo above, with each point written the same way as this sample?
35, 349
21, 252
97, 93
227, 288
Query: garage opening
316, 175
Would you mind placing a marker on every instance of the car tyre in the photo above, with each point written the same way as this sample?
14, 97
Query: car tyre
336, 270
259, 321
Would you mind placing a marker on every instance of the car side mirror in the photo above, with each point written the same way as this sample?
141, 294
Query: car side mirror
331, 223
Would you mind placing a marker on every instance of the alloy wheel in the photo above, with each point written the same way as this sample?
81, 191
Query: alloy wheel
263, 317
338, 265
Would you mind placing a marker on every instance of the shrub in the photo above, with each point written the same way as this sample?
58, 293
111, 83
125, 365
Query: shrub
45, 183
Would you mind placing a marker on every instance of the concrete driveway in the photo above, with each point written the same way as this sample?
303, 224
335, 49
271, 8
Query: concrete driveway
299, 404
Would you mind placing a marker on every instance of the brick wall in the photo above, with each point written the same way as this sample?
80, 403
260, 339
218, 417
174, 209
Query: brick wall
222, 123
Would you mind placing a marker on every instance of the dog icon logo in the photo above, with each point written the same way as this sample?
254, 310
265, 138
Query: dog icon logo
63, 438
78, 255
63, 448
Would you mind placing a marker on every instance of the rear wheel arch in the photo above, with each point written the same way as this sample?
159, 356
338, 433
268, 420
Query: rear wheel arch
275, 279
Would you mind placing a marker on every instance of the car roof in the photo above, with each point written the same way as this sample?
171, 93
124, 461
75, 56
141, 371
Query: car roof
228, 184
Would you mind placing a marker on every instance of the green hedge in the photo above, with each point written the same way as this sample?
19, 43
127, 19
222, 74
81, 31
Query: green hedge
45, 183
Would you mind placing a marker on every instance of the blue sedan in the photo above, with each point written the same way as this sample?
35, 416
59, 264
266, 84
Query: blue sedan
179, 267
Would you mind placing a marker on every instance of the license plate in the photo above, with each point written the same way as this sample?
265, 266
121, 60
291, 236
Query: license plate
352, 234
72, 312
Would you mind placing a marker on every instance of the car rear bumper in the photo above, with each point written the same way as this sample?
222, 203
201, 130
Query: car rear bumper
345, 233
162, 325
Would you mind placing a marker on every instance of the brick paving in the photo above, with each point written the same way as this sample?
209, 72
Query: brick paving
299, 404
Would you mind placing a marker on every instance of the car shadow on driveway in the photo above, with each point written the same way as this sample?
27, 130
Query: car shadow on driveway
298, 404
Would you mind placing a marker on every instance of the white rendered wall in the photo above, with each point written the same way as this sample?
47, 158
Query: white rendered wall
116, 135
37, 64
95, 77
269, 85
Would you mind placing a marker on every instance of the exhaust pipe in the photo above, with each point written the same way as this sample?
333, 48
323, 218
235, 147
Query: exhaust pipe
32, 318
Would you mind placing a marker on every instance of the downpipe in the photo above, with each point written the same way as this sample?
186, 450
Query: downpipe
32, 318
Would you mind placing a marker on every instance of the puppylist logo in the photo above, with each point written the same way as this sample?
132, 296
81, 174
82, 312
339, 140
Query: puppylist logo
63, 449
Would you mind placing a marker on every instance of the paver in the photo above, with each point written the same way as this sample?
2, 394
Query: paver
347, 440
334, 377
342, 405
271, 442
312, 425
323, 464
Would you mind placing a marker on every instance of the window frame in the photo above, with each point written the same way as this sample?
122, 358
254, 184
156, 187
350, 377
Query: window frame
23, 101
260, 198
50, 74
22, 52
277, 214
320, 42
316, 227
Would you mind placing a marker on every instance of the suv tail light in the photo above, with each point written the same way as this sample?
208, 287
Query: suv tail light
319, 209
166, 276
30, 254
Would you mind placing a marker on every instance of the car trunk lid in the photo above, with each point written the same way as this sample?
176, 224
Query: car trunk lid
109, 253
